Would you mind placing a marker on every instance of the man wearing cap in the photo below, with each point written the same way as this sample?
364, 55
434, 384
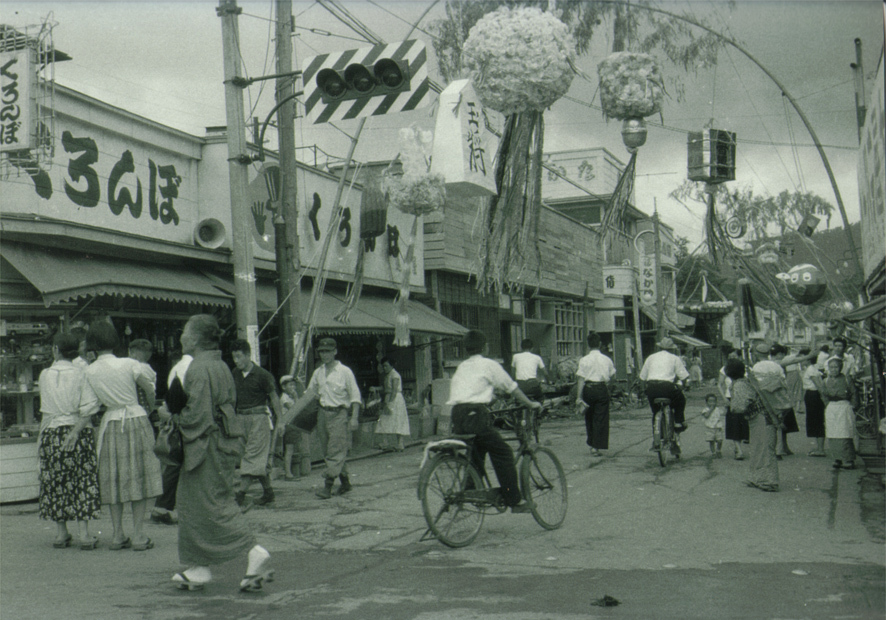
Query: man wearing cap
335, 386
256, 389
471, 390
660, 373
595, 371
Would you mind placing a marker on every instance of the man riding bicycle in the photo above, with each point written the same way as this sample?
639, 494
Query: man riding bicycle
472, 389
661, 373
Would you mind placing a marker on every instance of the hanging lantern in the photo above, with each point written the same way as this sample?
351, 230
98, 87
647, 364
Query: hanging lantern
633, 133
711, 156
373, 210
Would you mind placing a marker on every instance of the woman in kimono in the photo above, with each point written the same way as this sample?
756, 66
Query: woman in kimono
212, 529
394, 419
763, 466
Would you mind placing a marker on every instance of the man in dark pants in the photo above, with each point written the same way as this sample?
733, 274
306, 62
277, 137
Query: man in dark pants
256, 388
594, 373
661, 371
175, 402
472, 389
527, 366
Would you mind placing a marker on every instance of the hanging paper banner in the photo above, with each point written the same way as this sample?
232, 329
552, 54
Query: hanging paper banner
464, 142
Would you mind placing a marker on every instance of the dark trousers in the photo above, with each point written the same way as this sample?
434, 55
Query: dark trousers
665, 389
596, 397
532, 389
170, 485
474, 419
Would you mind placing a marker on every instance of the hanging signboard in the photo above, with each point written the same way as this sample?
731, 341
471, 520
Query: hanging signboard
17, 102
464, 142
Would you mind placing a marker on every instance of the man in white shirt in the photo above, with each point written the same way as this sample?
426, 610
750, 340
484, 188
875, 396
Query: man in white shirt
471, 390
661, 372
594, 373
527, 365
335, 386
850, 367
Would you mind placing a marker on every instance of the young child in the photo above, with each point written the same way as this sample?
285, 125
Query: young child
713, 420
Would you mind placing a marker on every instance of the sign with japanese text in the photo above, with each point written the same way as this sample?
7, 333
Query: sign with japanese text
465, 142
646, 279
17, 103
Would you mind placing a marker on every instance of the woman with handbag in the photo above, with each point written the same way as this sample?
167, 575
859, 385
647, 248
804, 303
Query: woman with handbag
746, 399
212, 528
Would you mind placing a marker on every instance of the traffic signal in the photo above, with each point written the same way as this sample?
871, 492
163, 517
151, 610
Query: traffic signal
359, 81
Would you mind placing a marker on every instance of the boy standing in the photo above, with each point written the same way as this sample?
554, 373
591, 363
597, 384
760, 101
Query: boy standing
713, 420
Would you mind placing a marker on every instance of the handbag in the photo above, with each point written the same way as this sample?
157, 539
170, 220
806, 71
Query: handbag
229, 423
168, 445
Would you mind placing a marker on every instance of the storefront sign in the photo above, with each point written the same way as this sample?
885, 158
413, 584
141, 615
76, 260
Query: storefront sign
646, 282
17, 106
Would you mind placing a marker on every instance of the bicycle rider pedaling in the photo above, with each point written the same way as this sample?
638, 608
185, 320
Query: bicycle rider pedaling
471, 390
661, 373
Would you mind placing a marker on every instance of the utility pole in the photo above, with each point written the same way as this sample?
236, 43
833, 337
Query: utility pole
861, 110
659, 305
286, 218
238, 160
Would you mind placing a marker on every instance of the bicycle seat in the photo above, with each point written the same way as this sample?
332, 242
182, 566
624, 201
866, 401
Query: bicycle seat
469, 437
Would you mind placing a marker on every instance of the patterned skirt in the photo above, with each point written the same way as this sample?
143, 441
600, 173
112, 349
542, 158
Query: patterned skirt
128, 469
68, 479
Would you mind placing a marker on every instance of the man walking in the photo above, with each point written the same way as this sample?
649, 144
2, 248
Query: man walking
595, 371
335, 386
527, 365
256, 389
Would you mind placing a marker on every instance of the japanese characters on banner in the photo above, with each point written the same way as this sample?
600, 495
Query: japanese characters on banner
17, 102
464, 143
646, 281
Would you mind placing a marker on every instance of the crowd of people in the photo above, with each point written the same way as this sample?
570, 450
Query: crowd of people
85, 467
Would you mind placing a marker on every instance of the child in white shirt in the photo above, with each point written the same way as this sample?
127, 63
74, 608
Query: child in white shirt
713, 420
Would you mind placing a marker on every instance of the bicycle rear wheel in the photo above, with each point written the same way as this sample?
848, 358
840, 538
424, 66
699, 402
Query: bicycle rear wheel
442, 483
543, 483
665, 433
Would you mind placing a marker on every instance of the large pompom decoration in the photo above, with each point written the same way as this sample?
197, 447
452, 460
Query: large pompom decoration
521, 63
519, 59
631, 86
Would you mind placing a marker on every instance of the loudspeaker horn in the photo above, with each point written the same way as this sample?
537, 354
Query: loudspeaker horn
209, 233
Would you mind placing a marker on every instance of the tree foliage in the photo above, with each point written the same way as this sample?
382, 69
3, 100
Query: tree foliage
632, 28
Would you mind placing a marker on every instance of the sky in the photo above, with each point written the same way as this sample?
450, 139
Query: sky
163, 60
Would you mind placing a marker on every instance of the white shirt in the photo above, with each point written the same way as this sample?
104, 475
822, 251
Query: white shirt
526, 365
337, 387
61, 395
476, 379
663, 366
596, 367
179, 370
808, 374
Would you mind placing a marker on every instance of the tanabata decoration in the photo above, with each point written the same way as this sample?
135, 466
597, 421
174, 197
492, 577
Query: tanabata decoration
416, 192
631, 86
806, 283
520, 62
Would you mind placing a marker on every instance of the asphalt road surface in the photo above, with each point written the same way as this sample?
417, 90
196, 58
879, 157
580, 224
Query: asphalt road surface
688, 541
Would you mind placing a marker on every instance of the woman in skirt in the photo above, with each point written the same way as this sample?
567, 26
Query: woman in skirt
812, 385
128, 469
839, 395
736, 424
394, 418
68, 472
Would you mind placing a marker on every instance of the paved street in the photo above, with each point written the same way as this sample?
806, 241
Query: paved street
690, 541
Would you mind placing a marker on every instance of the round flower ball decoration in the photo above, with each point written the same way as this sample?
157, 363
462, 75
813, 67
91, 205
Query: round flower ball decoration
631, 88
520, 62
519, 59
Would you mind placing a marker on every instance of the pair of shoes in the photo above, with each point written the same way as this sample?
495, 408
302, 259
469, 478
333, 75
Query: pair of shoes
163, 518
739, 457
265, 499
63, 544
253, 583
89, 545
837, 465
718, 455
816, 453
148, 544
521, 508
595, 452
126, 543
344, 488
326, 491
182, 582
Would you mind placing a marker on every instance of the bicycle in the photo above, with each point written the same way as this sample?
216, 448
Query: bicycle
867, 418
624, 396
455, 497
663, 434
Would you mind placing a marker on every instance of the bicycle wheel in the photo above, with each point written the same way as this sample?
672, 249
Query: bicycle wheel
867, 422
442, 483
543, 484
663, 428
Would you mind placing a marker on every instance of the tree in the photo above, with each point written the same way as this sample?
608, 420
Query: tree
632, 28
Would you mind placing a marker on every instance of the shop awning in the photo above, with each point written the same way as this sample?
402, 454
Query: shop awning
689, 340
866, 311
61, 275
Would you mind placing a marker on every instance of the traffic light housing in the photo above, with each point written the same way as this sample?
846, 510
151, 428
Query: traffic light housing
359, 81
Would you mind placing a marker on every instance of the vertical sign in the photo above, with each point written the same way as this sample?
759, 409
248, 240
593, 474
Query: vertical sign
17, 103
647, 278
